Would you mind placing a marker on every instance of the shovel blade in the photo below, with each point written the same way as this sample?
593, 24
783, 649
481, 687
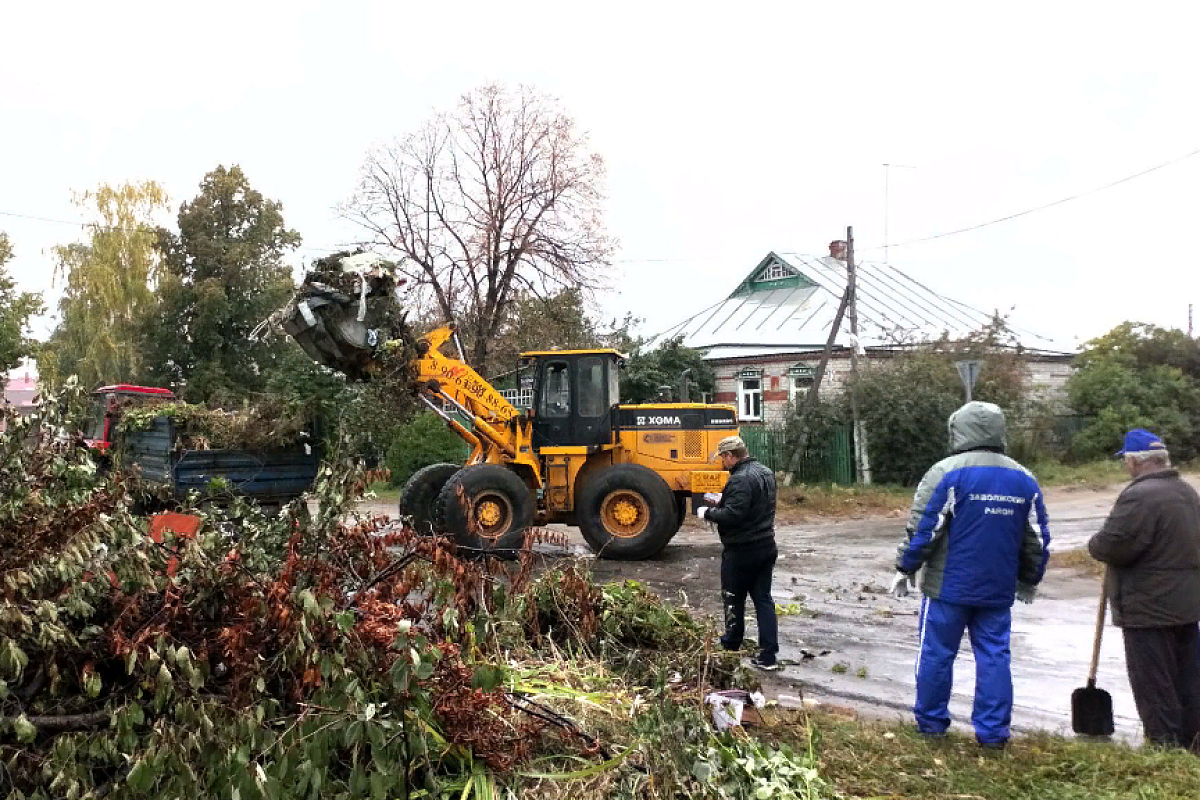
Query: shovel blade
1091, 711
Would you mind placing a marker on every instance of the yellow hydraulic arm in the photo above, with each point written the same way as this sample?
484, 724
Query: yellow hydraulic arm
501, 434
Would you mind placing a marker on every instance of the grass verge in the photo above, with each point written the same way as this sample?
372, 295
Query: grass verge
870, 759
385, 492
1091, 475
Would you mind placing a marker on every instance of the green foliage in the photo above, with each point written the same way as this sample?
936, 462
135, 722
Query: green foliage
107, 290
16, 309
423, 440
1137, 376
735, 768
558, 322
905, 403
223, 274
258, 427
815, 432
646, 371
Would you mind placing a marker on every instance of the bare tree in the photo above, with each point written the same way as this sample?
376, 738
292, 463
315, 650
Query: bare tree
498, 197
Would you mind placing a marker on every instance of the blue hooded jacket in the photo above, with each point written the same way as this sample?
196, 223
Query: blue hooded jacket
978, 524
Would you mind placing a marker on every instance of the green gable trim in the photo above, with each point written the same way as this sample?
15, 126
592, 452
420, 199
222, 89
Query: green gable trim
757, 281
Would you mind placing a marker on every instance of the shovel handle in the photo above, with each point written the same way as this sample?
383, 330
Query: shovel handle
1099, 628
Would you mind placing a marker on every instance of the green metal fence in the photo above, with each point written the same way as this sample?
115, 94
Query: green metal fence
829, 459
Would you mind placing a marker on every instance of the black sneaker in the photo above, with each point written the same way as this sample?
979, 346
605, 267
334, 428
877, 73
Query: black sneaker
765, 664
727, 647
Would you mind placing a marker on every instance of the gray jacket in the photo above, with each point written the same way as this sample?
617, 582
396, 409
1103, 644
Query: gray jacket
1151, 543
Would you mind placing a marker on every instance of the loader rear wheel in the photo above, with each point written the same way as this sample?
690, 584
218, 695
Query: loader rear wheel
486, 508
418, 501
627, 513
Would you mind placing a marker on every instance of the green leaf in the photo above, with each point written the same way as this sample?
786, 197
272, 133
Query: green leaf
140, 777
25, 730
308, 601
487, 677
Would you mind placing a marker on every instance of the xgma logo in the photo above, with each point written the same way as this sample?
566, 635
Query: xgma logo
658, 421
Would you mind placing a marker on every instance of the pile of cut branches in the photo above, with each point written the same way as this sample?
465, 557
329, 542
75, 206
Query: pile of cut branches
314, 655
265, 425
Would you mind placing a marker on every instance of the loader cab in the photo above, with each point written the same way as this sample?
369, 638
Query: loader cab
574, 394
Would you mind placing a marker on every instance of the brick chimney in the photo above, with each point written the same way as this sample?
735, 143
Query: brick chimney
837, 249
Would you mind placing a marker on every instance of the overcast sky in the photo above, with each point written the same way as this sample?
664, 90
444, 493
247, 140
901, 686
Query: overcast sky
728, 132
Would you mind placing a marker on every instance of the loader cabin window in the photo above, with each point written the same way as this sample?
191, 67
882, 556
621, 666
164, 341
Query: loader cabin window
592, 397
556, 394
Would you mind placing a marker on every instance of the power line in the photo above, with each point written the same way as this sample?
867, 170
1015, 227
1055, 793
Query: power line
1043, 207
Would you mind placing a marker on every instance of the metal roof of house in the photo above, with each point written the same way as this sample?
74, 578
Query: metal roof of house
787, 305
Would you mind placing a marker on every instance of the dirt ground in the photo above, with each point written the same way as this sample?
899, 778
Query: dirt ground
849, 643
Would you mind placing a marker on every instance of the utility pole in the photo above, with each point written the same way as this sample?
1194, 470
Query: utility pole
810, 399
861, 463
1189, 320
887, 174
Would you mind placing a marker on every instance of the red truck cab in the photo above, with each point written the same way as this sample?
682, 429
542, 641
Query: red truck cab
97, 431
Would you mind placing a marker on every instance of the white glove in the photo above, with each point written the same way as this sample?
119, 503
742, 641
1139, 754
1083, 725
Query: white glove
902, 583
701, 511
1025, 592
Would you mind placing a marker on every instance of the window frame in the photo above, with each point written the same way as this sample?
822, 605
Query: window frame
601, 386
544, 410
745, 394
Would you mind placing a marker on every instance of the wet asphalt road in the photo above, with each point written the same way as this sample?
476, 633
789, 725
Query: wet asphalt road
835, 574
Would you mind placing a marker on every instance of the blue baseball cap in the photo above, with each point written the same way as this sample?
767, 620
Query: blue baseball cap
1140, 440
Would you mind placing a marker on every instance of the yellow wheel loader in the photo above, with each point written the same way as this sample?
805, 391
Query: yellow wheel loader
624, 474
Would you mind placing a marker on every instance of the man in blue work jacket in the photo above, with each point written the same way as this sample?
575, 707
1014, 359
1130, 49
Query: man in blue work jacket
978, 527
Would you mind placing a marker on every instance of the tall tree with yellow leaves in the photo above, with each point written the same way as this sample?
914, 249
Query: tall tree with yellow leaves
108, 286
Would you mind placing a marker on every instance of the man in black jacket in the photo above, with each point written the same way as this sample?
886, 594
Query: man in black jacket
745, 519
1151, 544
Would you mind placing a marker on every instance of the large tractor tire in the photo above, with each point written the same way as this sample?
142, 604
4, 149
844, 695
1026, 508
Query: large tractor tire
418, 501
486, 508
627, 513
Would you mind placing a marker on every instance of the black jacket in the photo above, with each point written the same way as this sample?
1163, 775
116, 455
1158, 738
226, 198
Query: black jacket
1151, 543
745, 516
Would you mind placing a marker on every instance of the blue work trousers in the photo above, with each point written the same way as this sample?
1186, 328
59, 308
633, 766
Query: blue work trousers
941, 630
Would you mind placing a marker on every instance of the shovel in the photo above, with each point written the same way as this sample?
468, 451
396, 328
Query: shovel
1091, 708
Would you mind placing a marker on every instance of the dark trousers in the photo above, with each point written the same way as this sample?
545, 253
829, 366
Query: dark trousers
1164, 673
749, 572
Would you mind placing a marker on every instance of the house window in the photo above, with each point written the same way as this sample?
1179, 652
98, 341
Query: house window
750, 398
799, 379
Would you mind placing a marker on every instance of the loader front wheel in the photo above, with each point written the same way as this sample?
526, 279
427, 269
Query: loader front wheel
626, 513
418, 501
486, 508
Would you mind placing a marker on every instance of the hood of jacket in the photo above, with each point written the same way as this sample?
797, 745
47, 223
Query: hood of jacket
977, 425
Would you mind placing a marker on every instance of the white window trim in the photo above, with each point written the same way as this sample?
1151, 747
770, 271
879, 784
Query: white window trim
743, 393
774, 272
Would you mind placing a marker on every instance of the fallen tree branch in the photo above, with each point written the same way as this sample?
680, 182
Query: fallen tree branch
64, 722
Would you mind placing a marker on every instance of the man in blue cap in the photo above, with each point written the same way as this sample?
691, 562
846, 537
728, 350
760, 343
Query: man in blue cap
1151, 544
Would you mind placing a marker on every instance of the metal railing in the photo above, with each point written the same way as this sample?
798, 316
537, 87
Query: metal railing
521, 398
